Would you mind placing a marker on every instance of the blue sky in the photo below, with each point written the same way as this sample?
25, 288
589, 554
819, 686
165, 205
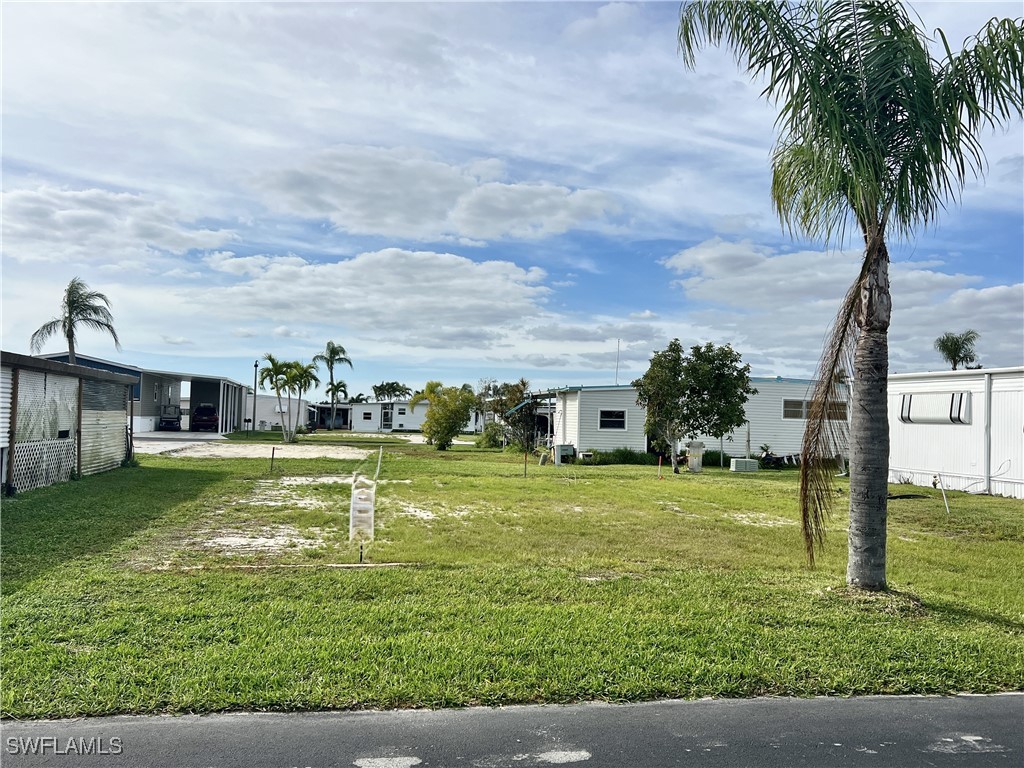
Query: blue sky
451, 191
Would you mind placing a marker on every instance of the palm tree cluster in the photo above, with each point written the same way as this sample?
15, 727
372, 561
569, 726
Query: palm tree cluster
288, 377
390, 390
80, 308
957, 348
877, 134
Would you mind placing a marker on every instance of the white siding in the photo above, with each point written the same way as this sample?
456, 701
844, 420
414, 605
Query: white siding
363, 423
956, 452
593, 438
267, 414
6, 384
567, 421
767, 426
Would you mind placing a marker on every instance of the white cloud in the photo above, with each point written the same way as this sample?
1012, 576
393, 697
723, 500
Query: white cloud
409, 193
51, 224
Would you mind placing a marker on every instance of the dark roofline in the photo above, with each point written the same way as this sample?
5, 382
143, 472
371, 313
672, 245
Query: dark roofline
14, 360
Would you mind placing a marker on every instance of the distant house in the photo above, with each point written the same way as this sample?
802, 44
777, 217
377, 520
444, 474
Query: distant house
776, 417
597, 418
155, 388
963, 429
607, 417
60, 420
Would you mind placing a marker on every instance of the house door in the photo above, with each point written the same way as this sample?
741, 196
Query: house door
386, 416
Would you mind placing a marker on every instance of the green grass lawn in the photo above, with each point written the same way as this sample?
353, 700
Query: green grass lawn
187, 585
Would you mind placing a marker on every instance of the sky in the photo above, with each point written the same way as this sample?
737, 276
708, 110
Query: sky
451, 191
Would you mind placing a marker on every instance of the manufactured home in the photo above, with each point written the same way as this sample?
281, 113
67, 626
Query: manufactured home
596, 418
58, 421
607, 417
961, 430
776, 417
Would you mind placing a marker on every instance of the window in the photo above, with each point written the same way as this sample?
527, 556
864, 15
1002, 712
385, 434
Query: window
367, 416
612, 420
401, 411
801, 409
794, 409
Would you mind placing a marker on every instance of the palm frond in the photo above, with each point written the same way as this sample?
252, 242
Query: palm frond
825, 435
44, 332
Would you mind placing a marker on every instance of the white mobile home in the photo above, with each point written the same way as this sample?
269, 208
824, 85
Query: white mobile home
776, 416
387, 417
600, 418
607, 417
964, 429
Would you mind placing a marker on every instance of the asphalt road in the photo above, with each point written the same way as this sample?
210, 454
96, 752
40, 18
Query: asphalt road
870, 731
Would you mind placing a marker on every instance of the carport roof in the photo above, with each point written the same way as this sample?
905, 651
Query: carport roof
189, 377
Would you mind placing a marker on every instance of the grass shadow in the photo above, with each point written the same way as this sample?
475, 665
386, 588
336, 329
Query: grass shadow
47, 527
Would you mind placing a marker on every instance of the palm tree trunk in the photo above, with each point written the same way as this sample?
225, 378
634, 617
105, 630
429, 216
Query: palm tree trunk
869, 428
71, 349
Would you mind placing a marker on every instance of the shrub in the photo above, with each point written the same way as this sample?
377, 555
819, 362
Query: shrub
620, 456
493, 436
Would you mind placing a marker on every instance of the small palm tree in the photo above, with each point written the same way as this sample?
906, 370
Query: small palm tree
333, 354
275, 374
337, 390
301, 378
957, 348
81, 307
875, 134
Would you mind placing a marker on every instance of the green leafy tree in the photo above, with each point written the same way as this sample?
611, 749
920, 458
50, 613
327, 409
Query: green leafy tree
514, 404
660, 392
450, 408
957, 348
700, 393
333, 355
359, 398
878, 134
81, 308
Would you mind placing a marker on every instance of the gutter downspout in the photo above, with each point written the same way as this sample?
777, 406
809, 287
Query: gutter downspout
987, 467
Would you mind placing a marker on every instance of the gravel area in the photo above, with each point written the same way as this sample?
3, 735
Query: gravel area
218, 450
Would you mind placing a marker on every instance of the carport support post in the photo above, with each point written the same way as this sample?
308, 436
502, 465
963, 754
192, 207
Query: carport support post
9, 488
255, 370
78, 436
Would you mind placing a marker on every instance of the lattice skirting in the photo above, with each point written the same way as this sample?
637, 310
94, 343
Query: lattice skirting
42, 463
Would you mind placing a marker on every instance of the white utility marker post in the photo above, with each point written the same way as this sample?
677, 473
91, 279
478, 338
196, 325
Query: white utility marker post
360, 519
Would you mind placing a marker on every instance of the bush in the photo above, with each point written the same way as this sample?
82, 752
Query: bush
620, 456
493, 436
714, 459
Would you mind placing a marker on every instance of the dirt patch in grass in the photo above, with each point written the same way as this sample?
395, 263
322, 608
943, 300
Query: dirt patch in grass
226, 450
760, 519
266, 539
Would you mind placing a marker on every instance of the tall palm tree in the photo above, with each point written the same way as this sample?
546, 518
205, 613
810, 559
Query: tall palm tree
80, 307
275, 374
957, 348
876, 133
333, 354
